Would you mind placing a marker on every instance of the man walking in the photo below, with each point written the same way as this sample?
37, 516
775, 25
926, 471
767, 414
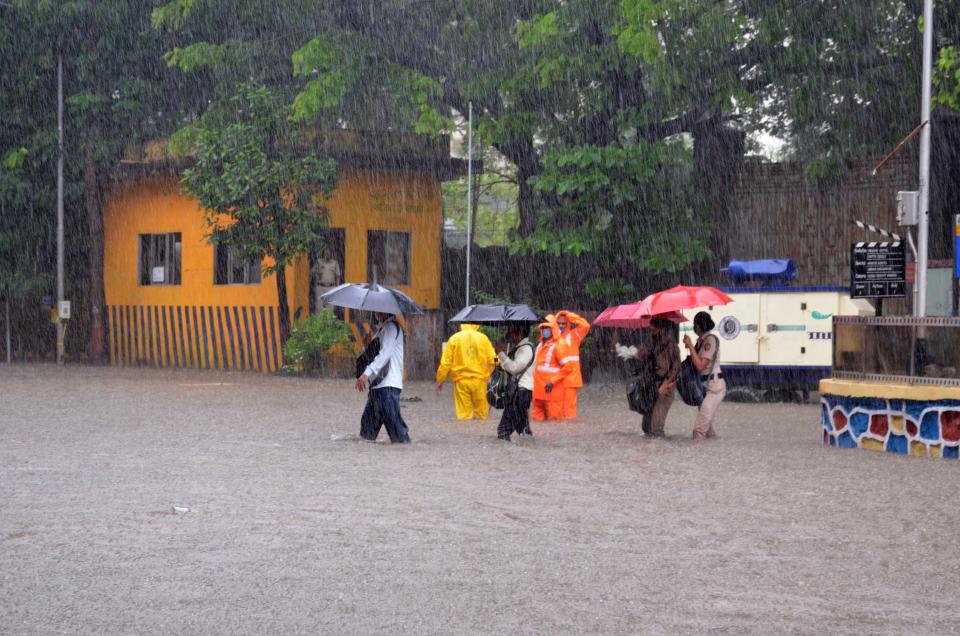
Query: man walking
573, 329
384, 376
468, 361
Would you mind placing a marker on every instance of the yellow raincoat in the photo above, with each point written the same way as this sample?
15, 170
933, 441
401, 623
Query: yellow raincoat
467, 361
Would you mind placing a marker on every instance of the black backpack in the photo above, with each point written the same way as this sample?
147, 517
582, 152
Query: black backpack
689, 384
502, 387
642, 389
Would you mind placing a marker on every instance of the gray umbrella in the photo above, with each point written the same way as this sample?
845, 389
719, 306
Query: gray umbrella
371, 297
496, 314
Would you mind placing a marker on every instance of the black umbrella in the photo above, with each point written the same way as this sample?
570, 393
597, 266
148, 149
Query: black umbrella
371, 297
496, 314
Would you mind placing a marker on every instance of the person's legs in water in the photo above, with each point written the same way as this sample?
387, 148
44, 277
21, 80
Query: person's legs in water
539, 410
463, 400
478, 395
645, 423
658, 419
370, 421
703, 424
554, 409
505, 427
389, 398
515, 416
569, 403
521, 420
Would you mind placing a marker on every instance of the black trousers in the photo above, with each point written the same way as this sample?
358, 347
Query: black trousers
383, 409
516, 416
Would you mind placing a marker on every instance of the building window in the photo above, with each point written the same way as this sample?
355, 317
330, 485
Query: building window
160, 259
230, 268
388, 257
326, 266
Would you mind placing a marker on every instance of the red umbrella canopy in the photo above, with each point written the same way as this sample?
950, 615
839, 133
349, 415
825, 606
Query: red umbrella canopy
681, 297
629, 317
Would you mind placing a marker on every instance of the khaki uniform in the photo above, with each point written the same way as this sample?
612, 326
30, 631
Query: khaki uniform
707, 346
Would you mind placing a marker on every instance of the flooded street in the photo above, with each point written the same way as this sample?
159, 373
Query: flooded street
295, 526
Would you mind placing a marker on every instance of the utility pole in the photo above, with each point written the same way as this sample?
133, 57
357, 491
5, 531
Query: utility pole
6, 322
469, 192
923, 231
60, 298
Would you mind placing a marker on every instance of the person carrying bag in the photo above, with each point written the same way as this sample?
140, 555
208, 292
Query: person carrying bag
704, 359
517, 391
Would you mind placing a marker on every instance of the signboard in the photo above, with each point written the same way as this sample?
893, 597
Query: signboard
64, 309
877, 270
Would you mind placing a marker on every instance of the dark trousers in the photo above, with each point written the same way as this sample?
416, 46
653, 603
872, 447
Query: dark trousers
516, 415
383, 409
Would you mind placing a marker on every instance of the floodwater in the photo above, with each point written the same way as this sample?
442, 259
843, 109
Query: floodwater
286, 523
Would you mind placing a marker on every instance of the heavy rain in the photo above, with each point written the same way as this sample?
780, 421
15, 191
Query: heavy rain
469, 316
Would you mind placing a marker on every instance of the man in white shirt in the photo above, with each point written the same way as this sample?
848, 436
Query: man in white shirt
326, 276
384, 376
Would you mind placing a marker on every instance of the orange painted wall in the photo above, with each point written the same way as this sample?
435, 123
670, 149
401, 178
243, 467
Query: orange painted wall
156, 206
405, 202
362, 201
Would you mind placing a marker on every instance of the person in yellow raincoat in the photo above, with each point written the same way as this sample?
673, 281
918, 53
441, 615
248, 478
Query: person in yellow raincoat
468, 360
573, 329
549, 374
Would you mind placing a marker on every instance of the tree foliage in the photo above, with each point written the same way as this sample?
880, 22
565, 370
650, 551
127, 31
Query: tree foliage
606, 109
259, 186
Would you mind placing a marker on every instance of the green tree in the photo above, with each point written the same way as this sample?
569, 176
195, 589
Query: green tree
495, 216
259, 185
20, 239
118, 92
596, 102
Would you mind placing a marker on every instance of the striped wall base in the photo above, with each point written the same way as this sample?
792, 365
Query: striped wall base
205, 337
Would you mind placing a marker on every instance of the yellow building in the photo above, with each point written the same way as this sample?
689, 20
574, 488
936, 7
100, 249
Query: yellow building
173, 299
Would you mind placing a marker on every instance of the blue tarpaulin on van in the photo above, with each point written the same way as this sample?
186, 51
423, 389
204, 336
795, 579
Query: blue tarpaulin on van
766, 270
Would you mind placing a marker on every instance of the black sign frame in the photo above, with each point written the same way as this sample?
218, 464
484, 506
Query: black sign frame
878, 270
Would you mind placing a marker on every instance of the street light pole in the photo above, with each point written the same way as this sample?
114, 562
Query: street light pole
923, 229
469, 193
60, 299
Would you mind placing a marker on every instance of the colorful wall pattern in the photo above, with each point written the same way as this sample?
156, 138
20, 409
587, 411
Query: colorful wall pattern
922, 428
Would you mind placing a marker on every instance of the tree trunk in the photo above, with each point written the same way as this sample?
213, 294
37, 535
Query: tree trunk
283, 306
94, 204
718, 153
520, 150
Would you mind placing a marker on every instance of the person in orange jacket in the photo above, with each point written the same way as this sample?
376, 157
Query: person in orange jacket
573, 329
549, 374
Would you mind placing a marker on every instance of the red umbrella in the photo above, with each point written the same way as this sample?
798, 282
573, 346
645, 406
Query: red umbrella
681, 297
627, 316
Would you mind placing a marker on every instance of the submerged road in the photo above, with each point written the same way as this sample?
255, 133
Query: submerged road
151, 501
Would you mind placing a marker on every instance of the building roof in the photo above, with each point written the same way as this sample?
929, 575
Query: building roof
385, 151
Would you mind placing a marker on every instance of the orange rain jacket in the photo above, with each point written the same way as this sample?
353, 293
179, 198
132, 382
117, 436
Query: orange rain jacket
577, 328
548, 367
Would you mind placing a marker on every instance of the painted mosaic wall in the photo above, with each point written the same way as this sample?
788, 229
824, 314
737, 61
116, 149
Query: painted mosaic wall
920, 428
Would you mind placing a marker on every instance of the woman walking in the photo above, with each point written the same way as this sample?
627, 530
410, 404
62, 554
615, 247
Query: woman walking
666, 364
705, 355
